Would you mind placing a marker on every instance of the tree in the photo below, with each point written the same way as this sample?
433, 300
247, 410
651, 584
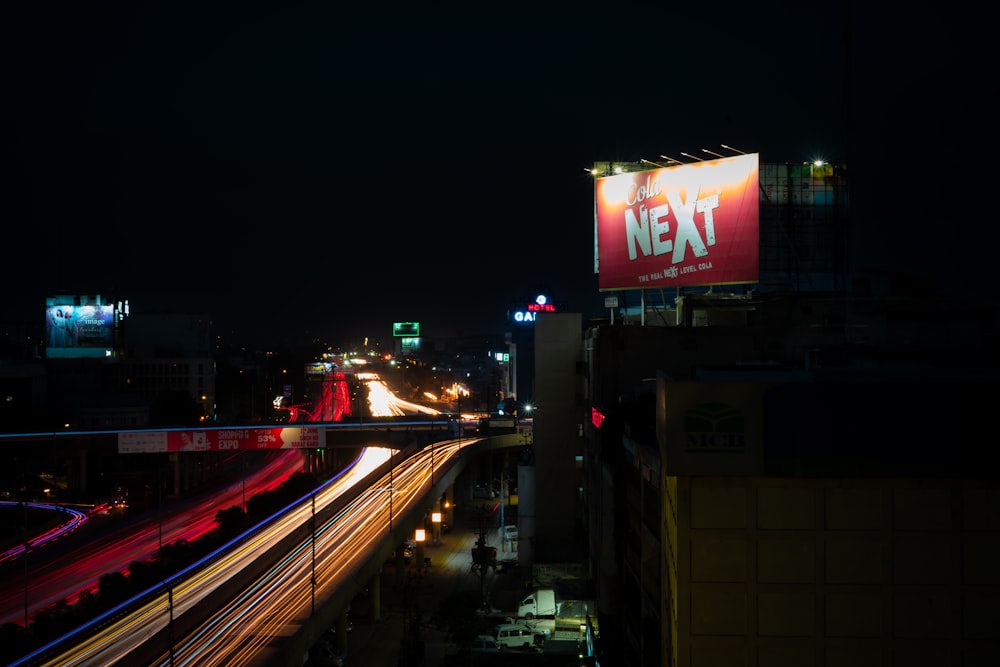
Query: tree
231, 521
112, 588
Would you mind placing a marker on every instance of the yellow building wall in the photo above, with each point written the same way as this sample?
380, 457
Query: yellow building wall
768, 572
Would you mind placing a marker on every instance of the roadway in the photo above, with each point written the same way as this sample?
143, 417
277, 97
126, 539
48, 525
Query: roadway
49, 577
248, 603
252, 628
334, 550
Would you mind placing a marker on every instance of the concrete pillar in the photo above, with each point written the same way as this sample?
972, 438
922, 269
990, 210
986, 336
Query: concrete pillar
400, 564
420, 555
375, 595
449, 506
340, 633
175, 459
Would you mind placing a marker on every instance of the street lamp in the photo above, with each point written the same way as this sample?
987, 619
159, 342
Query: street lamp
389, 488
503, 532
391, 452
243, 458
448, 517
312, 576
419, 536
27, 550
159, 499
436, 524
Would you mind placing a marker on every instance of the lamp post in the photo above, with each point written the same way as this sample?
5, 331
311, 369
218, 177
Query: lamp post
313, 545
503, 533
448, 516
243, 457
27, 550
159, 499
436, 524
391, 452
419, 536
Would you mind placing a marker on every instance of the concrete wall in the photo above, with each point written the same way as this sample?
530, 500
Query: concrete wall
774, 572
557, 436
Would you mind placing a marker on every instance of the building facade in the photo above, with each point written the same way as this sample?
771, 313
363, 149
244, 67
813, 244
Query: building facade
766, 485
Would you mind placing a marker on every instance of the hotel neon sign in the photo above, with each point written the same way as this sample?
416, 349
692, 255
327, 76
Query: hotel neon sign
529, 314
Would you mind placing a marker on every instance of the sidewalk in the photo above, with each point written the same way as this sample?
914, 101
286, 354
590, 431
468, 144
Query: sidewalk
411, 600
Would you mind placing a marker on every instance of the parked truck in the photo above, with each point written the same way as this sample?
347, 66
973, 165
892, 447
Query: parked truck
547, 603
540, 603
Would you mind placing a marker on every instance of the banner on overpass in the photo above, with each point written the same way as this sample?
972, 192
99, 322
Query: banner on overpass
220, 440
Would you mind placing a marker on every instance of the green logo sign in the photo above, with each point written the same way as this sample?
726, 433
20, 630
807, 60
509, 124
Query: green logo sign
714, 427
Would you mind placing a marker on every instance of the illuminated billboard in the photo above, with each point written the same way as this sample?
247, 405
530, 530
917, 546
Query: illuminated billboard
693, 224
406, 329
79, 326
220, 440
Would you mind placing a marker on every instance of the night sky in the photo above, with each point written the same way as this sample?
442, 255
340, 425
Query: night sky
314, 171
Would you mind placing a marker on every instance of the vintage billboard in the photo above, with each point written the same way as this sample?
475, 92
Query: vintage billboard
693, 224
220, 440
79, 326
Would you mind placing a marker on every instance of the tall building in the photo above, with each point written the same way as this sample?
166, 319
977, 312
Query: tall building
555, 531
170, 354
777, 494
789, 470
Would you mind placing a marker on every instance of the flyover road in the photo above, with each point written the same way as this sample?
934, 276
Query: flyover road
243, 604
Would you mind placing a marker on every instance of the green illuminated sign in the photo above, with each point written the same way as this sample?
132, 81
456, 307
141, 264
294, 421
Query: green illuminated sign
407, 329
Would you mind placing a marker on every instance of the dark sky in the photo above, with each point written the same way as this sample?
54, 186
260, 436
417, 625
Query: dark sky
312, 170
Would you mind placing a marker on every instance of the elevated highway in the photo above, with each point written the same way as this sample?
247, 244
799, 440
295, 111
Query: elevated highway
85, 456
268, 596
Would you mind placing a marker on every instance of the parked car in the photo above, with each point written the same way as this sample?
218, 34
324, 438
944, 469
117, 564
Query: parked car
485, 644
517, 636
540, 631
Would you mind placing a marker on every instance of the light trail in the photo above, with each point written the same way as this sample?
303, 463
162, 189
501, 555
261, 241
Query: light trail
75, 519
342, 547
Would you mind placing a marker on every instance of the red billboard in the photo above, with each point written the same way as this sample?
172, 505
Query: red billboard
693, 224
220, 440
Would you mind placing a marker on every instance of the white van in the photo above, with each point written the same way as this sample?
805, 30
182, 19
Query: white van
510, 533
516, 635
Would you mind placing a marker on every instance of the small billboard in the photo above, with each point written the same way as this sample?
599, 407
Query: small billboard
406, 329
79, 326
